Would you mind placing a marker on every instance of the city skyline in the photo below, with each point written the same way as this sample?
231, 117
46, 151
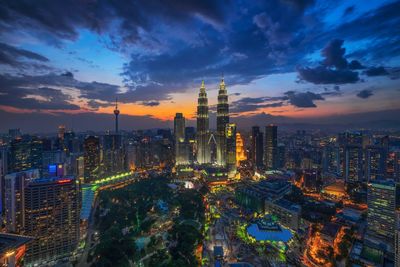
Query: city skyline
330, 63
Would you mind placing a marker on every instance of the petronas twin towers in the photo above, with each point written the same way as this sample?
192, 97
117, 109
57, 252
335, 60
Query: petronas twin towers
203, 130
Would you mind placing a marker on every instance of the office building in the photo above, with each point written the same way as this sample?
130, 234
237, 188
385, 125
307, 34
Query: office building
230, 135
113, 155
381, 219
288, 213
330, 159
375, 162
181, 147
281, 161
257, 147
25, 153
14, 202
353, 163
52, 210
271, 144
222, 121
240, 149
203, 132
91, 158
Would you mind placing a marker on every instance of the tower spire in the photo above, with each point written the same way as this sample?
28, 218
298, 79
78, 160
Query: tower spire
116, 113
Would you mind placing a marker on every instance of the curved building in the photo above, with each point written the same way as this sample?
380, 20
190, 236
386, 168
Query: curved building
203, 132
222, 122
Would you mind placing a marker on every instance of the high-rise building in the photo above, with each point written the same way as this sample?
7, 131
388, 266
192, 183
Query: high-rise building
353, 163
91, 158
381, 219
375, 162
116, 113
131, 155
61, 131
14, 202
257, 147
281, 155
330, 159
25, 153
190, 137
222, 121
14, 133
240, 149
397, 242
271, 144
52, 209
3, 172
230, 135
181, 147
113, 156
203, 131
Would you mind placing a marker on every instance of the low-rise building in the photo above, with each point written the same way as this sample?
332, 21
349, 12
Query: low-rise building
12, 249
288, 213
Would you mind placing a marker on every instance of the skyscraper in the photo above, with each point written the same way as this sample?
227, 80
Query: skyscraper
203, 132
91, 158
222, 121
116, 113
353, 163
257, 147
230, 134
181, 148
381, 219
240, 149
375, 162
271, 146
25, 153
113, 156
14, 202
51, 216
330, 159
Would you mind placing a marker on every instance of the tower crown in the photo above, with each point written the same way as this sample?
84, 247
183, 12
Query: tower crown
116, 110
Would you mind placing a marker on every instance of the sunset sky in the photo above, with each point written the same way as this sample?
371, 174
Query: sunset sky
65, 60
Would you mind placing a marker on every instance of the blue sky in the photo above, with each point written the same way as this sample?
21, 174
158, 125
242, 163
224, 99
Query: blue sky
299, 59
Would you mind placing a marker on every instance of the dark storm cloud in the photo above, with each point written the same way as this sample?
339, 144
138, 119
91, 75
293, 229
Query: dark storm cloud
324, 75
202, 39
20, 86
297, 99
63, 18
39, 98
349, 10
355, 65
150, 103
303, 100
366, 93
334, 68
11, 55
334, 55
376, 71
380, 26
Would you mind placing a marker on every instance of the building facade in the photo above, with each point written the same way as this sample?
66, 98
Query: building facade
271, 146
181, 147
52, 209
203, 132
222, 122
381, 219
230, 135
91, 158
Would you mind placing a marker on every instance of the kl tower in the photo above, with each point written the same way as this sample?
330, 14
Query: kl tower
116, 113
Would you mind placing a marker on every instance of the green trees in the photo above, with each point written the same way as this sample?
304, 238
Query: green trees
128, 213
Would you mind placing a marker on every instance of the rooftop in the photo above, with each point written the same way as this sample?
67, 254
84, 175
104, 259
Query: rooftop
11, 242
